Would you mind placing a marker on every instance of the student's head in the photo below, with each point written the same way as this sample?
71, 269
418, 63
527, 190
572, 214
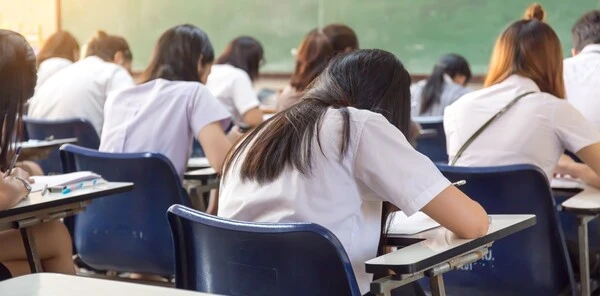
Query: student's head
586, 31
529, 48
370, 79
60, 45
454, 66
312, 57
342, 38
182, 53
18, 76
110, 48
244, 53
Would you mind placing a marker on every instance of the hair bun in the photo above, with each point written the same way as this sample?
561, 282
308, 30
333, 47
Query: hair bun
101, 34
535, 11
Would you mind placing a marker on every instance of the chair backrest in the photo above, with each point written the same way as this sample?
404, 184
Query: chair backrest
433, 147
531, 262
222, 256
40, 129
127, 232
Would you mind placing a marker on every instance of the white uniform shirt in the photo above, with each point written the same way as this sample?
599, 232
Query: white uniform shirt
451, 91
536, 130
233, 88
345, 196
159, 116
79, 91
582, 82
50, 67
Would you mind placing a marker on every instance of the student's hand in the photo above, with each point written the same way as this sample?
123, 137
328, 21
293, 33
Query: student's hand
566, 166
19, 172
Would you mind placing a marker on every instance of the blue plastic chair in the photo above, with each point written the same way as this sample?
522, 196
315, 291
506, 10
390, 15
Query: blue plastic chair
127, 232
433, 147
81, 129
217, 255
532, 262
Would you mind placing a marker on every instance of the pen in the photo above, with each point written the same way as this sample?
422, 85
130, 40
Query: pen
459, 183
13, 162
71, 188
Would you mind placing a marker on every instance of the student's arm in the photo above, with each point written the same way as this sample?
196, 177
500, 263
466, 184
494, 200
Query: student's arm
215, 144
578, 134
253, 117
395, 172
12, 191
452, 203
245, 100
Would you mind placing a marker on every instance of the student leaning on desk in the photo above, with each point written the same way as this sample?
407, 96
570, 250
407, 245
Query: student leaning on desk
335, 157
17, 82
525, 81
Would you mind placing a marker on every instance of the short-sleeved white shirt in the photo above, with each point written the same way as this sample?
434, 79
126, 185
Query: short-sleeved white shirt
536, 130
159, 116
50, 67
582, 82
79, 91
233, 87
343, 195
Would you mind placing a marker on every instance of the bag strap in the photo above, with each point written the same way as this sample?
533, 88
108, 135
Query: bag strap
485, 125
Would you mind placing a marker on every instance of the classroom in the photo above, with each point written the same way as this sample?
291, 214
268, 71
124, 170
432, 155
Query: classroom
315, 147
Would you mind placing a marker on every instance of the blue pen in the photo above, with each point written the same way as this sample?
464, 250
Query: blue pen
69, 189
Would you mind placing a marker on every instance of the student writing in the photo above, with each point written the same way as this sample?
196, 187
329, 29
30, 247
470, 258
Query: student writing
325, 160
525, 67
17, 83
171, 106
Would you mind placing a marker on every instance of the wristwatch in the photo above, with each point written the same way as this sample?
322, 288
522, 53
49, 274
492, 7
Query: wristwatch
26, 184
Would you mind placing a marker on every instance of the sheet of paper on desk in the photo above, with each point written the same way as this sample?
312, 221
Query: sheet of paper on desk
62, 180
567, 183
419, 222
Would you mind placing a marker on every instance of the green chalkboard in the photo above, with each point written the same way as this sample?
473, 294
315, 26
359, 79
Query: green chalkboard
417, 31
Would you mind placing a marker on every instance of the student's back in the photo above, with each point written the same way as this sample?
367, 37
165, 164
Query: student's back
171, 106
582, 71
80, 90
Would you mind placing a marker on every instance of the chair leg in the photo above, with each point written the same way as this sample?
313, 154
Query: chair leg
437, 285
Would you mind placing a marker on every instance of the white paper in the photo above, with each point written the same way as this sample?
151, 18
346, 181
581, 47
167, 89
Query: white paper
419, 222
62, 180
43, 143
567, 183
198, 162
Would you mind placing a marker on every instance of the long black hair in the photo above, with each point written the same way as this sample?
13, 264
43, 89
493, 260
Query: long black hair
17, 81
451, 65
244, 53
369, 79
177, 53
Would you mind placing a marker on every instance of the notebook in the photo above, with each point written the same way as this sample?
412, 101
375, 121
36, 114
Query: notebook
62, 180
567, 183
419, 222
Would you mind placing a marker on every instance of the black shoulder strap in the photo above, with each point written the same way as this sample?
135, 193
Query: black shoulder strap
484, 126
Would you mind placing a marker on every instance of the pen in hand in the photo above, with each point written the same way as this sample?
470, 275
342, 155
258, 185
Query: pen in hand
459, 183
13, 162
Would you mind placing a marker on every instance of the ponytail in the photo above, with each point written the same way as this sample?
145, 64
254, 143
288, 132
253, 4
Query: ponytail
105, 46
433, 88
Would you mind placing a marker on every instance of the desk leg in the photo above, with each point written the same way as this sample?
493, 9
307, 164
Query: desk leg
31, 250
437, 286
584, 258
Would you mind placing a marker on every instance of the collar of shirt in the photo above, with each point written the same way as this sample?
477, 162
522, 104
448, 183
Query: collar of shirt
591, 48
521, 82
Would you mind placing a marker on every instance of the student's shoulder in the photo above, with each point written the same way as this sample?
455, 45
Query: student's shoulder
229, 71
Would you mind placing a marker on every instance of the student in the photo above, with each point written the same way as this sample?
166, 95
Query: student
340, 176
80, 90
17, 83
314, 53
445, 85
59, 51
582, 71
525, 68
342, 38
231, 78
171, 106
